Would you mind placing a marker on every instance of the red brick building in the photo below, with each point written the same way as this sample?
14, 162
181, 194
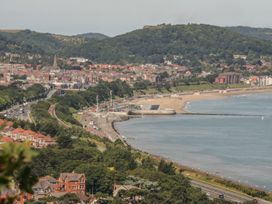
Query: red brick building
72, 183
67, 183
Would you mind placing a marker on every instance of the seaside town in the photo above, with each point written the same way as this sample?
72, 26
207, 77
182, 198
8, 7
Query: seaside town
99, 105
99, 119
82, 73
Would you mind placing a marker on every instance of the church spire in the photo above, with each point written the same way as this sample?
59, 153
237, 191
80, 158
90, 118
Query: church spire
55, 64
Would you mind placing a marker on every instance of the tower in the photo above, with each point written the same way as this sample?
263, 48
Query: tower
55, 63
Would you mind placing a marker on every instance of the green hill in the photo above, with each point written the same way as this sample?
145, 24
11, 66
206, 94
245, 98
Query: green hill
27, 41
260, 33
190, 44
95, 36
187, 43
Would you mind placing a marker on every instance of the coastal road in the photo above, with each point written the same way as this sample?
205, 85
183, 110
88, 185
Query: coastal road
22, 111
214, 192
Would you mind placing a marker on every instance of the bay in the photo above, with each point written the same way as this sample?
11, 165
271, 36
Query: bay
234, 147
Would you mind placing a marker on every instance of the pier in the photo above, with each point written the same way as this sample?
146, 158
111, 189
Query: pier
222, 114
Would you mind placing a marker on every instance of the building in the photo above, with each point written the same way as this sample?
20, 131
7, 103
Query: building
72, 183
37, 140
265, 81
4, 140
229, 78
66, 183
46, 185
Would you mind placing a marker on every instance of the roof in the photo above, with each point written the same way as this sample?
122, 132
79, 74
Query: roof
42, 184
6, 139
50, 179
71, 176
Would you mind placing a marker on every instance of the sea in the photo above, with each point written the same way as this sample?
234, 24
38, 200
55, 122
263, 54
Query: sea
235, 144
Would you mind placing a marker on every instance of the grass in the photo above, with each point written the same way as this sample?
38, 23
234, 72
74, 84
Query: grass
78, 117
100, 145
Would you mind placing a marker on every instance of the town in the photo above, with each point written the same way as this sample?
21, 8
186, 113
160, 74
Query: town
79, 73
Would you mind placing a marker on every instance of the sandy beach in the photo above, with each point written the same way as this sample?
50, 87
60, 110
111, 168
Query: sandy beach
178, 101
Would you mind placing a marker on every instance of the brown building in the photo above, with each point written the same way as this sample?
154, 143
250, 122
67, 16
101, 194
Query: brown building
67, 183
72, 183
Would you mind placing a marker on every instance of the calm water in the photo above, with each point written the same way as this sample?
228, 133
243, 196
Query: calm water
234, 147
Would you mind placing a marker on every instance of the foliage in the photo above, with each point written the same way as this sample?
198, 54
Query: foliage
12, 95
166, 168
79, 100
44, 122
13, 157
187, 44
260, 33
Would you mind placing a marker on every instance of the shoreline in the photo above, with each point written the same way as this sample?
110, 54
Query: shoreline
178, 101
183, 99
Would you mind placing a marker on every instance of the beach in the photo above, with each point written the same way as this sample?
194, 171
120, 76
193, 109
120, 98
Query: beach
178, 101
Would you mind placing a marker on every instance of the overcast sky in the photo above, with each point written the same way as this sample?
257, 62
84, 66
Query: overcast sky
113, 17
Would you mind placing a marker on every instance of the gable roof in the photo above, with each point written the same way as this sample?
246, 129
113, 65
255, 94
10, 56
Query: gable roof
71, 176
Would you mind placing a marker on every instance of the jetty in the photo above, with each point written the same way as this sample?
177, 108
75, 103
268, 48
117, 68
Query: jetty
152, 112
222, 114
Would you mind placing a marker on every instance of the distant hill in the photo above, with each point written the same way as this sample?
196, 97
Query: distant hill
22, 41
96, 36
260, 33
189, 43
10, 30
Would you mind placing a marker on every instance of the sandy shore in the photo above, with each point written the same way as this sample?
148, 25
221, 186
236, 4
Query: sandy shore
178, 101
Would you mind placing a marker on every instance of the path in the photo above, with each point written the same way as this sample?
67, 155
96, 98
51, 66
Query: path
52, 112
213, 191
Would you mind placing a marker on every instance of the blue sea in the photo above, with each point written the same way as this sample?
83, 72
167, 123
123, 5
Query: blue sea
234, 147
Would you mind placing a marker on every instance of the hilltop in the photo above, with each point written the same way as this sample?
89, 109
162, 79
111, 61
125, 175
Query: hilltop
96, 36
185, 44
191, 45
260, 33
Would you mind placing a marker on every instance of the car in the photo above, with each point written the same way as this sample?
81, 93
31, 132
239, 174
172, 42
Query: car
221, 196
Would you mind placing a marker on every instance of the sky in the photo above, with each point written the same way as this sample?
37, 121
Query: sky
114, 17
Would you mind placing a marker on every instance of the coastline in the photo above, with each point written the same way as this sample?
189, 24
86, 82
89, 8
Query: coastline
178, 102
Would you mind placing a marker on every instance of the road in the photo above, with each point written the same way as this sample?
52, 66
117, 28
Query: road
22, 111
214, 192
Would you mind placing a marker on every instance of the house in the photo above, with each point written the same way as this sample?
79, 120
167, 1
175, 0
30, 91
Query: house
66, 183
117, 188
5, 140
46, 185
72, 183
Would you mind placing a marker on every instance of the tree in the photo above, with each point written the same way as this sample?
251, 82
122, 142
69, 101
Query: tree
166, 168
64, 140
13, 158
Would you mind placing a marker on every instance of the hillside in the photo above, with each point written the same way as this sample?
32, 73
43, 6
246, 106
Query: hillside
96, 36
187, 44
190, 45
259, 33
27, 41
